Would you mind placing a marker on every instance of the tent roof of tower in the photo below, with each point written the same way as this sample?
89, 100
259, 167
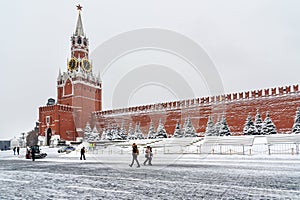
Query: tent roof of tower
79, 26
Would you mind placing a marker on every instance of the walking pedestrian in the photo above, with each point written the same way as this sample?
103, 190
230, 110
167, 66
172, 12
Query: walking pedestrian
148, 155
151, 156
32, 153
14, 149
82, 152
18, 150
28, 152
135, 153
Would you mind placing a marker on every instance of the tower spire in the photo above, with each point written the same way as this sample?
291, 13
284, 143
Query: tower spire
79, 49
79, 26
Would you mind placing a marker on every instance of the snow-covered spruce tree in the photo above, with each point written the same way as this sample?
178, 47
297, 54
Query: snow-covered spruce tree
131, 135
258, 123
123, 132
151, 132
161, 131
138, 132
210, 127
217, 127
87, 132
296, 126
268, 126
95, 135
249, 128
116, 133
224, 129
109, 135
189, 130
103, 136
177, 132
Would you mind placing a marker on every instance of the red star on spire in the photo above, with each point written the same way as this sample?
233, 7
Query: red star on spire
79, 7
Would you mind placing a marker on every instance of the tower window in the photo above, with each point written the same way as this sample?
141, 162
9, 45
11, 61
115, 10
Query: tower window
79, 40
48, 119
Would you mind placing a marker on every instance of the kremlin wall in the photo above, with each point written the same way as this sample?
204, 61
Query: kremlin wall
281, 103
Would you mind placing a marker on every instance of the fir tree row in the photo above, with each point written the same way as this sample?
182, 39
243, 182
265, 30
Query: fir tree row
220, 128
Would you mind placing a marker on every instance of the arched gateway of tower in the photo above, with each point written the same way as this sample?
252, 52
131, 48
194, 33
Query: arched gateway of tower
78, 93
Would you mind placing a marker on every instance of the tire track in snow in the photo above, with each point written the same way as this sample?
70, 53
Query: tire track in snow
98, 189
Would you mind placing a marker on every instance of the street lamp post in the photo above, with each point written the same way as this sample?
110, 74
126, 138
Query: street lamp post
23, 139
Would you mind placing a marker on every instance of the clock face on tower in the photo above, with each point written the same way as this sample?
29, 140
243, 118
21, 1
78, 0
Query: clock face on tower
72, 64
86, 65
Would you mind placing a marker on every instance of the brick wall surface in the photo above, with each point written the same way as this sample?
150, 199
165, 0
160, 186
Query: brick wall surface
281, 106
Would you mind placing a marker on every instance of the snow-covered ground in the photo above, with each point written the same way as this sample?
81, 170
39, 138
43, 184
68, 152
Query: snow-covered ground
172, 176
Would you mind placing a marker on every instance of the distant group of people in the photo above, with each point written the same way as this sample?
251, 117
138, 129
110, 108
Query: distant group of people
16, 149
135, 153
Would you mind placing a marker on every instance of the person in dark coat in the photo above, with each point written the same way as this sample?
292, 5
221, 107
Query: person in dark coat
18, 150
14, 149
32, 153
82, 152
135, 153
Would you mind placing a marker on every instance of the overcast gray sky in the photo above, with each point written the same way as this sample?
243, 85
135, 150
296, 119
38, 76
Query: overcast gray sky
253, 44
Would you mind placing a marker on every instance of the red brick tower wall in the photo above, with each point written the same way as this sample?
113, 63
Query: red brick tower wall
98, 97
86, 99
61, 121
83, 95
65, 93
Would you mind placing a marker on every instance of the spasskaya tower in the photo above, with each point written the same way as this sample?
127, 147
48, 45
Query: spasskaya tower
78, 93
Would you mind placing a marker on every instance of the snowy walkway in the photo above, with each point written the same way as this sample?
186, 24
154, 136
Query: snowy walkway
171, 177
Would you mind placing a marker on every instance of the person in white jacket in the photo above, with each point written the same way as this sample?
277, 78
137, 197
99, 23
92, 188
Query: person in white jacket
148, 155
